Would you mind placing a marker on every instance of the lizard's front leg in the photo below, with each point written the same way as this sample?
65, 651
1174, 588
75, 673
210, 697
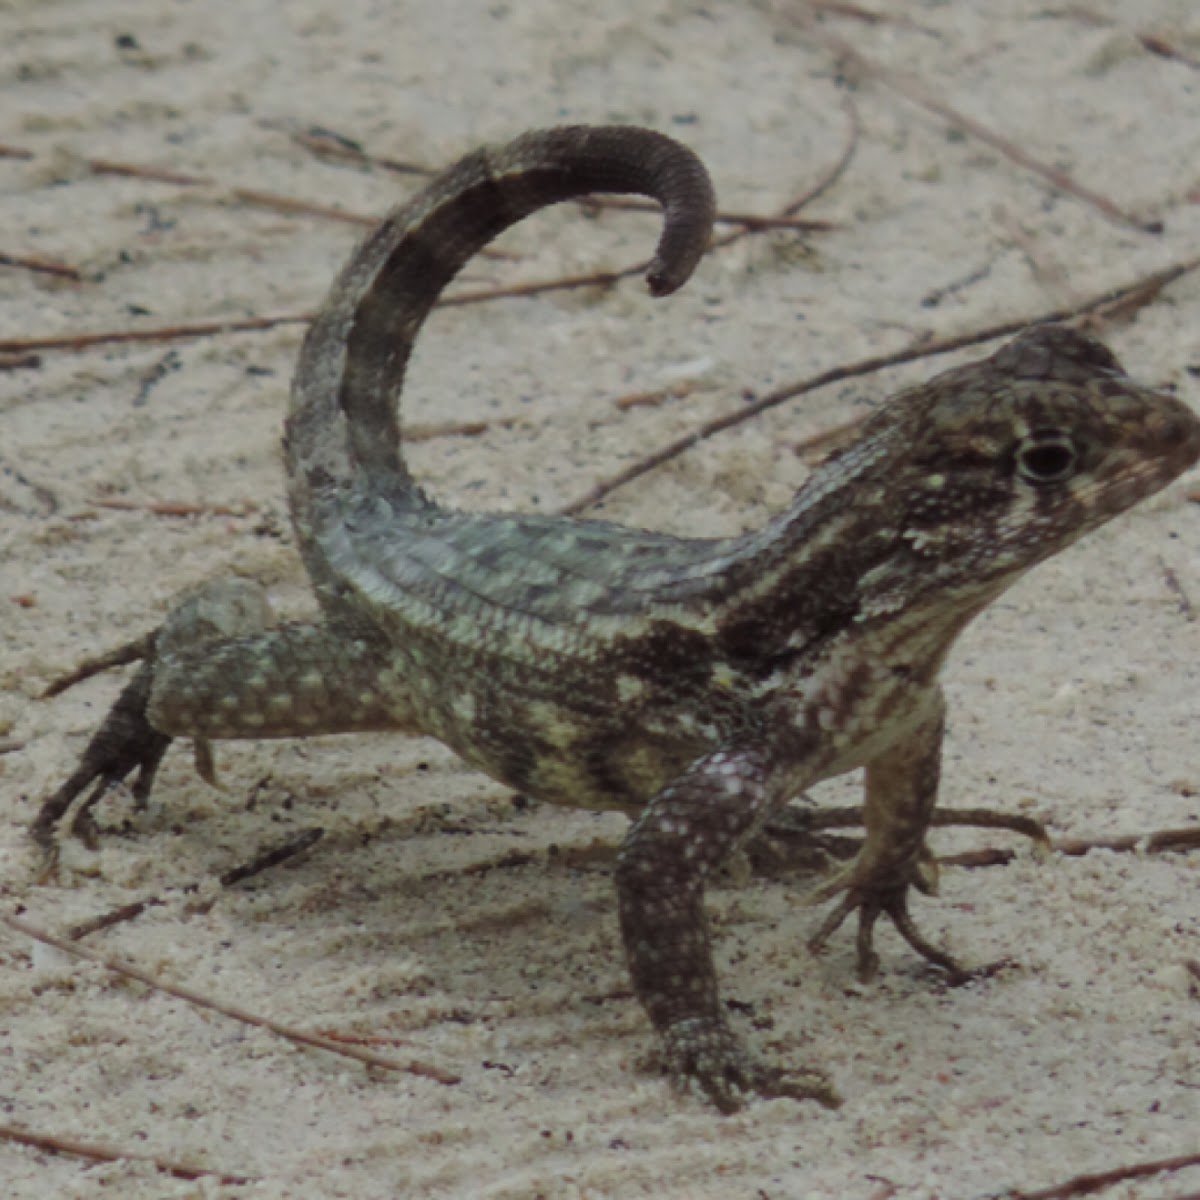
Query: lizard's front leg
215, 669
901, 791
686, 831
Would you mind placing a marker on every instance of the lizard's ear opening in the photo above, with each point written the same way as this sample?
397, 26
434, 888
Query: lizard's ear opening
1046, 456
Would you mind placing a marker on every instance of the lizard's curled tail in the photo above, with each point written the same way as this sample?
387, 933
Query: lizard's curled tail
342, 440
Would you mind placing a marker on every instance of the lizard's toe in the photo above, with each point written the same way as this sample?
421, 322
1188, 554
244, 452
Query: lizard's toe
891, 901
710, 1055
124, 743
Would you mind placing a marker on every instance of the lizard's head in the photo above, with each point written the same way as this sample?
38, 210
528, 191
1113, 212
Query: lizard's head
998, 465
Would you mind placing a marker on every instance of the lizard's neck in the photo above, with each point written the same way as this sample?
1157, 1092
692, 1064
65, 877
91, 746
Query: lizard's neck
843, 558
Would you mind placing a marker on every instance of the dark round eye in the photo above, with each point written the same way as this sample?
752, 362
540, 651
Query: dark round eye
1047, 457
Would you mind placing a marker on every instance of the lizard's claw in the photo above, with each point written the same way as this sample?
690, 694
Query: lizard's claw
125, 742
872, 898
709, 1054
875, 893
871, 905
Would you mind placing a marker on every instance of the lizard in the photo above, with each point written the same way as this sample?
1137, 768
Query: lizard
697, 684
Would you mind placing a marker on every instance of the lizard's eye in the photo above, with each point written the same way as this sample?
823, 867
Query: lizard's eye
1046, 456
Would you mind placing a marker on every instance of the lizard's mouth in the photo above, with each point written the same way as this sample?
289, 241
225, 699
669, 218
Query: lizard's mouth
1172, 440
1174, 429
1167, 445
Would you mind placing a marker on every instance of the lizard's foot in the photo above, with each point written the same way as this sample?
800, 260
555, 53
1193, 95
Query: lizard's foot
870, 904
125, 742
708, 1053
873, 892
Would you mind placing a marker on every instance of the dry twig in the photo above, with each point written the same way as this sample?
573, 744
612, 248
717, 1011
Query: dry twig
912, 91
177, 508
102, 1153
824, 181
160, 333
1085, 1185
1159, 842
80, 341
754, 222
329, 144
263, 861
867, 366
40, 265
252, 196
1156, 43
651, 399
130, 971
445, 429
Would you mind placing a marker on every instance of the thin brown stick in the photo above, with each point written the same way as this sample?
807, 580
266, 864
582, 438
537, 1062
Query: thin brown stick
1149, 843
16, 362
100, 1152
329, 144
1156, 43
1085, 1185
176, 508
535, 287
201, 329
263, 861
1132, 301
838, 167
867, 366
236, 1013
1159, 842
272, 857
867, 16
253, 196
755, 221
274, 201
80, 341
40, 265
307, 208
913, 92
651, 399
446, 429
365, 1039
160, 333
824, 181
107, 166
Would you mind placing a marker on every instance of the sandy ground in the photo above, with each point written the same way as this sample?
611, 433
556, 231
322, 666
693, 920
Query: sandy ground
441, 918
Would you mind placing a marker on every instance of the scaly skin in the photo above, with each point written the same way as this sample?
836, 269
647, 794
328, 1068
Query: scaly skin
697, 684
